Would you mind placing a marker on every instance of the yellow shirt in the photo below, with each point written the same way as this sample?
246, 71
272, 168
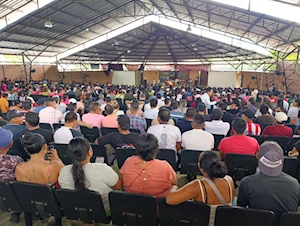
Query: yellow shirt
3, 105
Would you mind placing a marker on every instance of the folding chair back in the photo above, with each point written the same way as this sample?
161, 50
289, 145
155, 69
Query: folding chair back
86, 206
105, 131
282, 141
122, 154
238, 216
46, 126
90, 134
189, 162
8, 199
100, 151
289, 219
135, 131
132, 210
56, 126
187, 213
290, 166
218, 139
62, 151
169, 155
36, 198
240, 166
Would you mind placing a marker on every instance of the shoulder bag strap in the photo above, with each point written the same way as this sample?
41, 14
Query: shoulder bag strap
216, 191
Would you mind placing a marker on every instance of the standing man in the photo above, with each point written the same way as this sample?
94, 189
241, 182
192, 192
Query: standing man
206, 98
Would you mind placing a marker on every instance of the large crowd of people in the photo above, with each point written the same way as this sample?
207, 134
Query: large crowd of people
176, 118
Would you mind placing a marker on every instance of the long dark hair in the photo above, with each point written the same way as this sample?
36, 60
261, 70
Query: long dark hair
211, 163
78, 149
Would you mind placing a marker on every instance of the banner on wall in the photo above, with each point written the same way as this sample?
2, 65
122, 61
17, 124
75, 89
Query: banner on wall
199, 67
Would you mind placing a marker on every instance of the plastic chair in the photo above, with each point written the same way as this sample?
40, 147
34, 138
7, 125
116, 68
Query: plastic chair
122, 154
100, 151
169, 155
189, 162
218, 139
238, 216
135, 131
132, 209
292, 142
105, 131
90, 134
282, 141
240, 166
290, 166
36, 198
86, 206
62, 151
148, 121
46, 126
289, 219
8, 199
56, 126
293, 127
187, 213
258, 138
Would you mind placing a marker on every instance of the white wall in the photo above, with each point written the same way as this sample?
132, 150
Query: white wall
124, 78
222, 79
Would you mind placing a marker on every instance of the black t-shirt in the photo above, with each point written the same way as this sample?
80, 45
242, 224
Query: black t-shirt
45, 133
184, 126
118, 140
279, 194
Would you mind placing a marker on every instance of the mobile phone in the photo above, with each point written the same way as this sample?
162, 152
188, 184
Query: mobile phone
48, 152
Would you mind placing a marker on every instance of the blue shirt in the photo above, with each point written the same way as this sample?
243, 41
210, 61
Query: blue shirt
15, 129
39, 108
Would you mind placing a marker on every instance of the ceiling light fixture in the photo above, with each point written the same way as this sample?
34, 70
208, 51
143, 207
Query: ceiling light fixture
189, 28
48, 23
195, 49
87, 29
169, 54
129, 51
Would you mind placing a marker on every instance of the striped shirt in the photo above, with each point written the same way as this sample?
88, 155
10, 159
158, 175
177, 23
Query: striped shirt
253, 129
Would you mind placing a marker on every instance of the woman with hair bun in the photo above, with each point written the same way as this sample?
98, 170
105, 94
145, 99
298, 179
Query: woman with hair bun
38, 170
215, 188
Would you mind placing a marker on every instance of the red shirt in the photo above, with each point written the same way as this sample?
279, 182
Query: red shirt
279, 131
239, 144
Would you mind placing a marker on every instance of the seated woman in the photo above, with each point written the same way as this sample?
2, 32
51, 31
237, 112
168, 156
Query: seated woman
208, 188
38, 170
84, 175
143, 174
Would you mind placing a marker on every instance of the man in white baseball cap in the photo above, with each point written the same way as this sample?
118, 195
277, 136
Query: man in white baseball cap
270, 189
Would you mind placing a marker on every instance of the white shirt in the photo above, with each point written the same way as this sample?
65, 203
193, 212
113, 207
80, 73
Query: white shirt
293, 112
102, 107
64, 135
258, 113
160, 103
217, 127
151, 113
206, 100
118, 112
50, 115
100, 178
168, 135
197, 140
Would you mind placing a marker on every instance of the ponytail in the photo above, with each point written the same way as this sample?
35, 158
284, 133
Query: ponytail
211, 163
78, 149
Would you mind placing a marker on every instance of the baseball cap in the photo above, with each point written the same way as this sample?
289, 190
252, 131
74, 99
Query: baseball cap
73, 101
41, 101
6, 137
281, 117
13, 114
249, 114
270, 161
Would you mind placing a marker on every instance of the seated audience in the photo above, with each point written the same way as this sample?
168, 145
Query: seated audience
214, 178
32, 121
143, 174
197, 139
239, 143
168, 103
110, 121
122, 138
152, 112
252, 128
37, 169
227, 117
136, 121
279, 129
217, 126
50, 114
94, 117
116, 108
59, 106
294, 109
186, 124
270, 189
202, 110
108, 101
15, 123
265, 118
8, 163
41, 105
176, 113
66, 133
169, 136
83, 175
160, 102
139, 111
4, 105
